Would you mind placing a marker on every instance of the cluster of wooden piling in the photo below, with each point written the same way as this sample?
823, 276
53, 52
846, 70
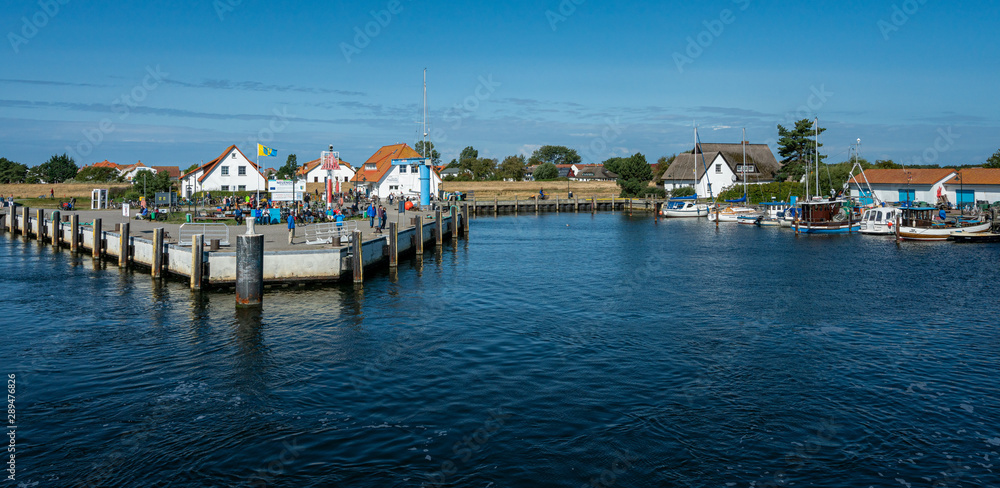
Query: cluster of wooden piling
557, 205
249, 248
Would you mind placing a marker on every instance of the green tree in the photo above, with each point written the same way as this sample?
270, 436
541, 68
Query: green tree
35, 175
484, 169
513, 168
797, 147
434, 154
554, 155
993, 161
468, 158
453, 164
11, 172
290, 169
59, 169
191, 168
147, 184
882, 164
546, 172
98, 174
634, 174
661, 166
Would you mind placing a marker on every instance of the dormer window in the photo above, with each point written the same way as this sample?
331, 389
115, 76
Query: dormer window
234, 155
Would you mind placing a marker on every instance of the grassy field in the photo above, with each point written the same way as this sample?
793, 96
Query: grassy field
506, 190
29, 194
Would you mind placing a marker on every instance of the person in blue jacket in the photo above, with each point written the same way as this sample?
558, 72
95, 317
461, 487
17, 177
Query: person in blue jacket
291, 227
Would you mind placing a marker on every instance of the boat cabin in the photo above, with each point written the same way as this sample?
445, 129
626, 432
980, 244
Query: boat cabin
821, 210
920, 217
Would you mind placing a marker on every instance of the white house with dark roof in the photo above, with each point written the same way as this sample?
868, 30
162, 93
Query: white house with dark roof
230, 172
719, 167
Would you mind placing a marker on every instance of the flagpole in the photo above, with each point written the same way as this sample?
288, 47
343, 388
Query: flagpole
259, 172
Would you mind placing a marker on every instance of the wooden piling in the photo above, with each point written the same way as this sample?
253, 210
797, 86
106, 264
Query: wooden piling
40, 225
454, 223
593, 204
496, 206
123, 243
393, 245
557, 205
357, 261
465, 220
576, 204
249, 270
157, 264
536, 204
56, 229
197, 260
516, 205
419, 235
74, 238
612, 203
98, 246
438, 229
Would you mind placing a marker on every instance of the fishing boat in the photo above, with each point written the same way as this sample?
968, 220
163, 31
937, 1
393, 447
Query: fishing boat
833, 216
684, 207
974, 237
920, 224
732, 213
879, 221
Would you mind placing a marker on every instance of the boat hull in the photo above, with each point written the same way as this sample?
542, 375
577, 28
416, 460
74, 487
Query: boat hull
685, 213
939, 233
827, 227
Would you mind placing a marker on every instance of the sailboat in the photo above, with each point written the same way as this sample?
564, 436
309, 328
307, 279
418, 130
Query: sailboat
738, 213
679, 207
825, 216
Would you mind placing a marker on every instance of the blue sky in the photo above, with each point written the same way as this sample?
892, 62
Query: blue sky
176, 82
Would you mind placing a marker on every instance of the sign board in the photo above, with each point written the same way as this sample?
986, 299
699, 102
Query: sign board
331, 161
410, 161
125, 210
282, 190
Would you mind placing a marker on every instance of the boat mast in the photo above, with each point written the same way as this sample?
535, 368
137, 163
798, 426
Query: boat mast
817, 155
695, 154
744, 144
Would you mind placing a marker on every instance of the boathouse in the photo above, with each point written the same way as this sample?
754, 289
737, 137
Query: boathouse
903, 185
231, 171
973, 185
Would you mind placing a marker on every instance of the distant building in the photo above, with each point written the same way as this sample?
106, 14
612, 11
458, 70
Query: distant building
313, 172
565, 171
380, 177
973, 185
719, 167
903, 185
173, 171
593, 172
230, 172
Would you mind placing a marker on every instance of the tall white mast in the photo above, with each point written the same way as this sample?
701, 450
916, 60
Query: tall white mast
695, 185
817, 155
744, 144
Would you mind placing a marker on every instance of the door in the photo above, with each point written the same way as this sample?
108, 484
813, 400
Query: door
966, 197
907, 195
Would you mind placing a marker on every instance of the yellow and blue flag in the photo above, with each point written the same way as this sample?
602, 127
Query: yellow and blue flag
263, 150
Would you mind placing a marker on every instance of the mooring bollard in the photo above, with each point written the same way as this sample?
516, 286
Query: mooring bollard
40, 229
74, 238
438, 229
557, 205
516, 205
213, 245
249, 270
98, 245
157, 252
56, 229
197, 260
419, 236
454, 222
393, 245
123, 243
358, 262
496, 206
25, 222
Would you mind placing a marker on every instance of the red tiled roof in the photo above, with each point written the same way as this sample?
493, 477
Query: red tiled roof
209, 166
173, 171
921, 176
107, 164
311, 165
976, 176
382, 160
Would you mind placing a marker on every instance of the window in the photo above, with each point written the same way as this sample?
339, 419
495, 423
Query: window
718, 169
234, 155
370, 167
225, 187
402, 169
413, 168
225, 171
316, 179
745, 168
241, 188
242, 171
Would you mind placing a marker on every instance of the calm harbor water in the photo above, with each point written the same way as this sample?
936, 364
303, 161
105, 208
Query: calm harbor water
559, 350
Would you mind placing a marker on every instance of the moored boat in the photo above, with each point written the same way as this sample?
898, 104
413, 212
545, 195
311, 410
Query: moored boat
921, 224
684, 207
974, 237
879, 221
826, 217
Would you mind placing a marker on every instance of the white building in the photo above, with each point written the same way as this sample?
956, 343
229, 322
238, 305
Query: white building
313, 172
903, 185
973, 185
721, 166
379, 176
230, 172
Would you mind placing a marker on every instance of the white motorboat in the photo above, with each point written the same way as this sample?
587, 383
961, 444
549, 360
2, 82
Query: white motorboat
679, 208
879, 221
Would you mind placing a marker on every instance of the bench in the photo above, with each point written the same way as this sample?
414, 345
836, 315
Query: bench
328, 232
210, 231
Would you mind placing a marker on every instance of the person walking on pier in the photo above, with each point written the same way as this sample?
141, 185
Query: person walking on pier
291, 227
371, 215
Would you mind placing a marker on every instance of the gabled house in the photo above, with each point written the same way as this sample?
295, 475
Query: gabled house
313, 172
129, 172
230, 172
902, 185
380, 177
721, 166
972, 185
593, 172
173, 171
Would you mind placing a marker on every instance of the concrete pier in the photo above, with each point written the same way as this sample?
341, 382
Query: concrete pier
249, 270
